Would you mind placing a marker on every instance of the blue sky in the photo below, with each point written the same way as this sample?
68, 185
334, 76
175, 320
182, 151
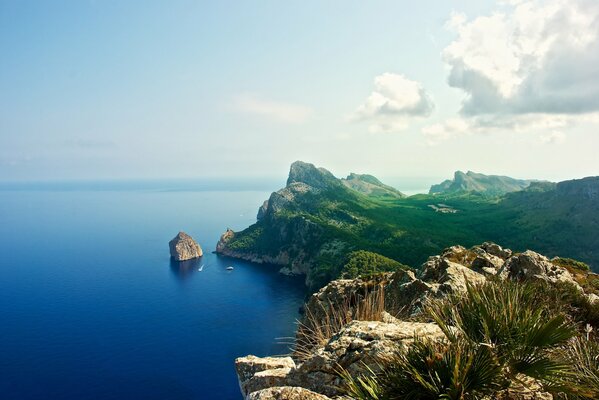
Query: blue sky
186, 89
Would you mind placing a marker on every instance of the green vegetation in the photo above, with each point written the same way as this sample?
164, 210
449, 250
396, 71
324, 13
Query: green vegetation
322, 226
366, 263
500, 338
571, 264
492, 185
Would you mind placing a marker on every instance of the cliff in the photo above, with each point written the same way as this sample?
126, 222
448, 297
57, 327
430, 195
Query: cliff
493, 185
316, 222
352, 328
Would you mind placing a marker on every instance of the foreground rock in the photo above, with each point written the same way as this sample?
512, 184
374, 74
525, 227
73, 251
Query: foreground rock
286, 393
357, 345
183, 247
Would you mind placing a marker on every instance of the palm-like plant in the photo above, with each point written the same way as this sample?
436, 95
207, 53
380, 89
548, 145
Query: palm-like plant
501, 335
512, 320
583, 355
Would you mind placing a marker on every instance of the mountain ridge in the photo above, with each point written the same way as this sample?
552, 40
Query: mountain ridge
313, 225
476, 182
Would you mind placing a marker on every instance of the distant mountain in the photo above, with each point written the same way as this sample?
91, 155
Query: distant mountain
316, 222
473, 182
371, 186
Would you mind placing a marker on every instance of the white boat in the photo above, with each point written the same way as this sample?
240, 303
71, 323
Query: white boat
201, 268
229, 268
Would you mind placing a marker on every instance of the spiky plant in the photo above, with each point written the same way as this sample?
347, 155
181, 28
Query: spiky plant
583, 356
515, 323
431, 370
318, 326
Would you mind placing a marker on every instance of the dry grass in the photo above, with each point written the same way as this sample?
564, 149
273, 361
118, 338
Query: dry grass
319, 326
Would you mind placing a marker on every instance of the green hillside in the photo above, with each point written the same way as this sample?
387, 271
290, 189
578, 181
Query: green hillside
473, 182
313, 223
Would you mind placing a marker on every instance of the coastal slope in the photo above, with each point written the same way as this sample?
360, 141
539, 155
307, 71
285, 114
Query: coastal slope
317, 223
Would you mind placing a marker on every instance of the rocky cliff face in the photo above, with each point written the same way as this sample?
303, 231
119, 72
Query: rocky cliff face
182, 247
358, 345
474, 182
290, 237
311, 225
371, 186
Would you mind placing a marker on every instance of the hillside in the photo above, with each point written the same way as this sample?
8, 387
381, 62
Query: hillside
316, 222
371, 186
473, 182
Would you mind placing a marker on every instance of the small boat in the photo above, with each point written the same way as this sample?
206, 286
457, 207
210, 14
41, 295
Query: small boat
201, 268
229, 268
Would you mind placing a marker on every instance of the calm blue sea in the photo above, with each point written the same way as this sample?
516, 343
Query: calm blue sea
91, 307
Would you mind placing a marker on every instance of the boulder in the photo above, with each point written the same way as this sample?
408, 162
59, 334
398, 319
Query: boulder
530, 266
255, 373
286, 393
456, 276
358, 346
183, 247
496, 250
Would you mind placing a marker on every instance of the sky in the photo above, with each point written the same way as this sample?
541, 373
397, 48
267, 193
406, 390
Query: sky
191, 89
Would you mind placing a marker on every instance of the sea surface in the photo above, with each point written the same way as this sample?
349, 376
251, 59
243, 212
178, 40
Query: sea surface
92, 307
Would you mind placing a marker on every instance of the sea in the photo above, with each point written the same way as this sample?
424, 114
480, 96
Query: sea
92, 306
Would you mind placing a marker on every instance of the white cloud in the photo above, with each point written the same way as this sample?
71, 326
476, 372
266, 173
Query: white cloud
529, 67
555, 137
449, 129
274, 110
394, 100
531, 56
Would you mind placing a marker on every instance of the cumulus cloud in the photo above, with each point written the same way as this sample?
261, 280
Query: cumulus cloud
530, 66
548, 127
394, 100
531, 56
274, 110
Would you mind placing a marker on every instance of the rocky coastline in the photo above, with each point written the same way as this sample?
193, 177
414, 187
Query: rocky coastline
312, 369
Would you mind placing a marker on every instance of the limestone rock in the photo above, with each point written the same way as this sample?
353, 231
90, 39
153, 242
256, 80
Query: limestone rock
359, 345
262, 210
286, 393
183, 247
456, 276
224, 238
530, 265
496, 250
255, 373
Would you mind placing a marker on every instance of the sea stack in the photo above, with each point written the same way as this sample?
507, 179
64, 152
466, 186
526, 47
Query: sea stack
183, 247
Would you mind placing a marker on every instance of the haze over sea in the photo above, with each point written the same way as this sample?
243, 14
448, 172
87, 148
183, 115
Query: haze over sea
92, 307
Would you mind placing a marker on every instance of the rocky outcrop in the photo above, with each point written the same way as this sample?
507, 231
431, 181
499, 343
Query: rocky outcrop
474, 182
286, 393
183, 247
530, 265
256, 373
371, 186
224, 239
262, 210
360, 345
306, 173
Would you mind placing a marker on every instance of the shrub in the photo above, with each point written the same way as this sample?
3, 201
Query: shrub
365, 263
511, 319
583, 355
501, 338
318, 326
569, 263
